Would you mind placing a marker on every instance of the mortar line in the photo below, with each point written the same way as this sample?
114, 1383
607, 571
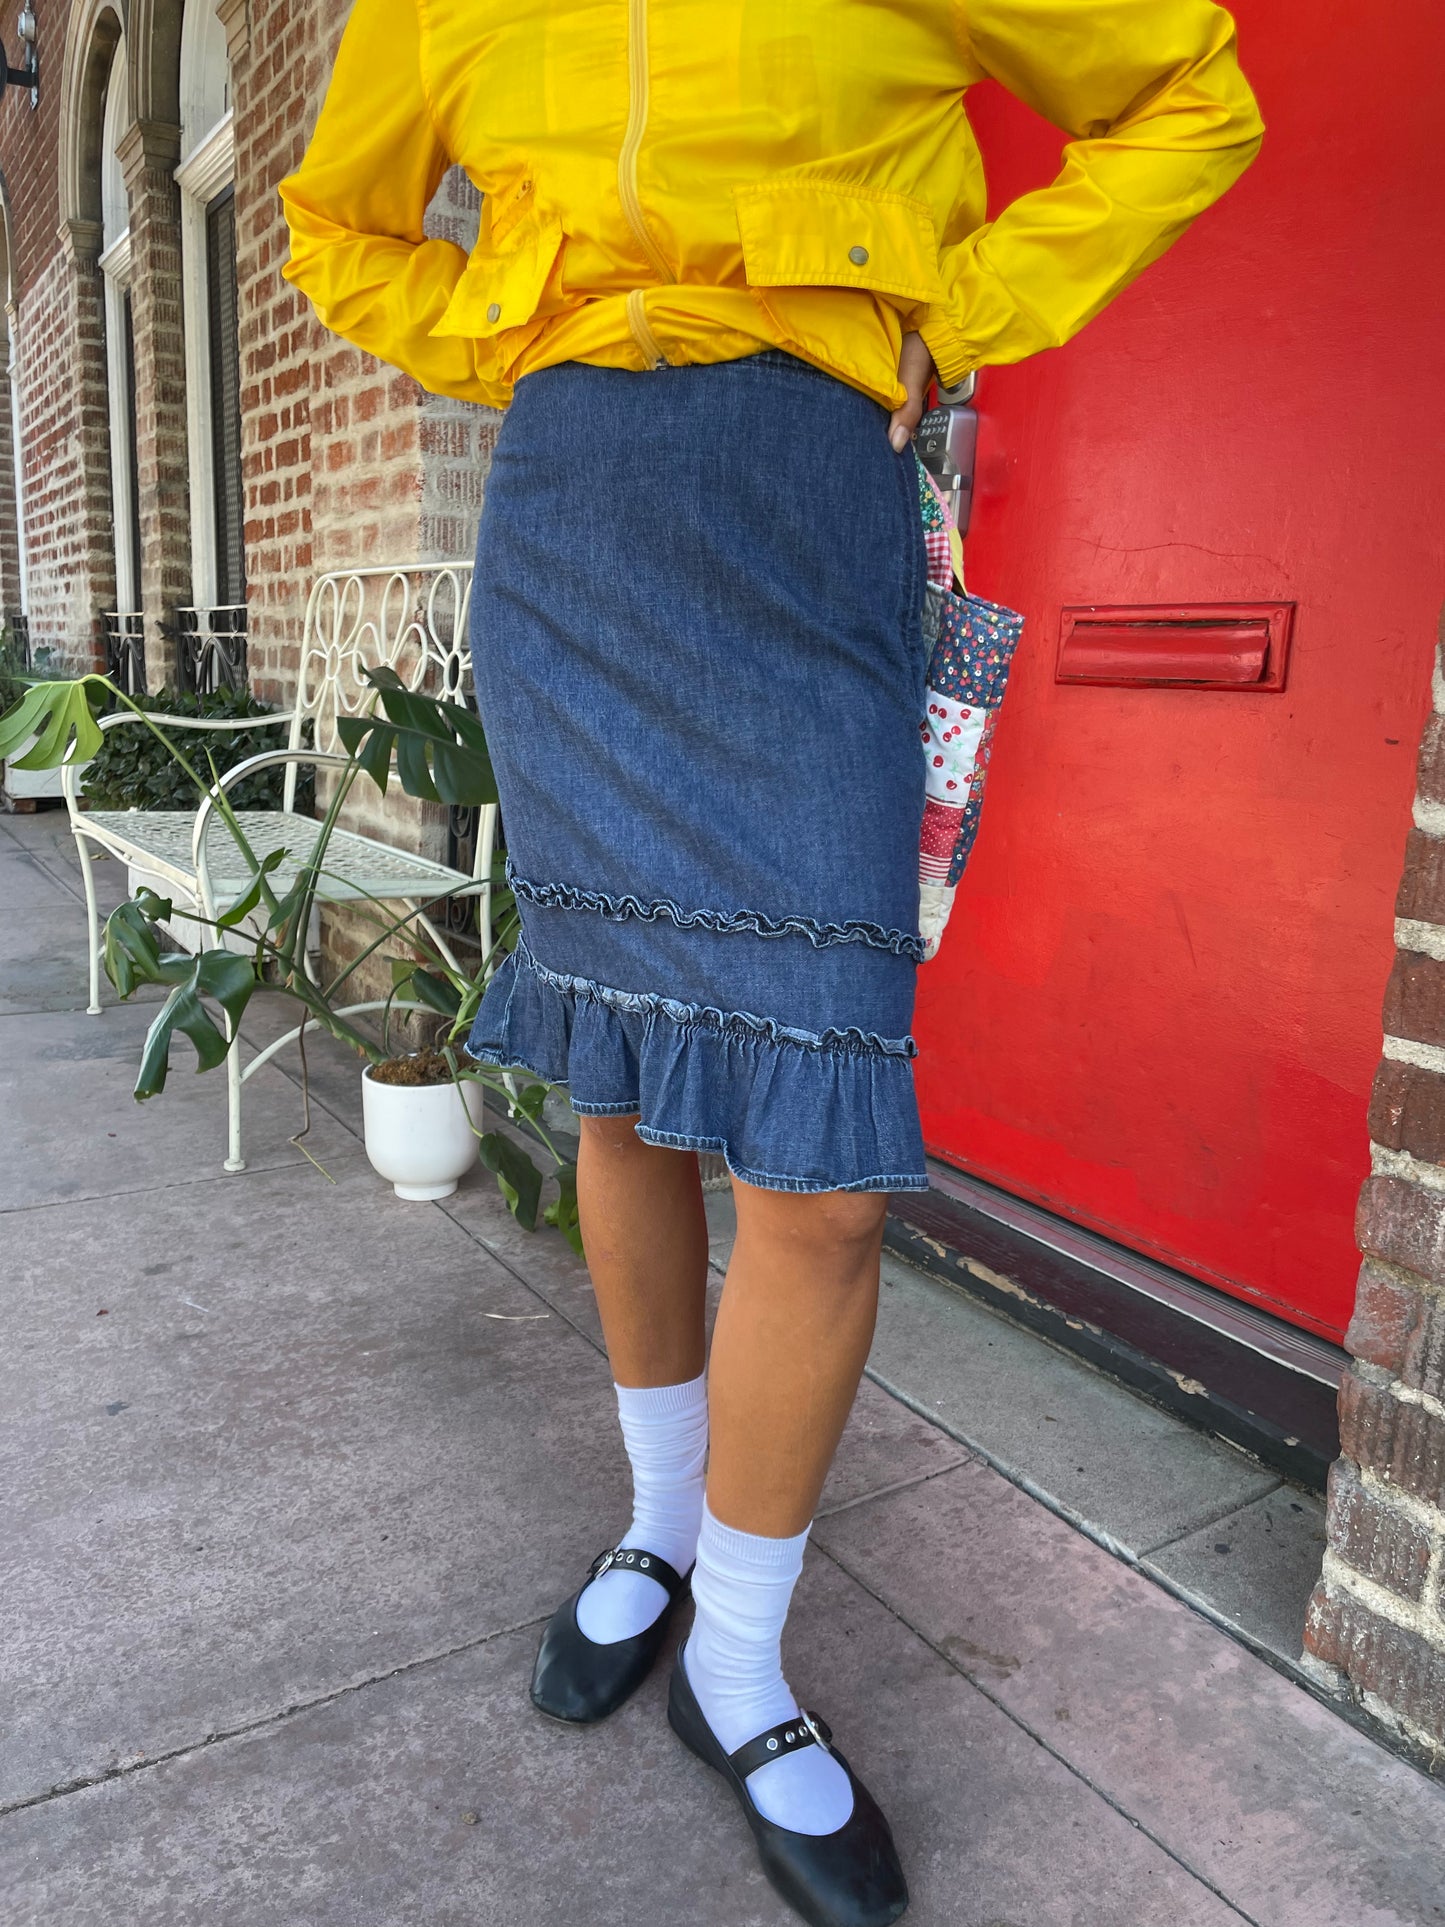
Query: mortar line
265, 1720
1038, 1739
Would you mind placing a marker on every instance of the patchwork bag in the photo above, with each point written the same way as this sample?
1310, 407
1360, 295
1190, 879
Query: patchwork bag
971, 646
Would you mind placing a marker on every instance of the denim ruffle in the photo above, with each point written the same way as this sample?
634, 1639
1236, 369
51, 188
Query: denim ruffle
709, 1080
621, 908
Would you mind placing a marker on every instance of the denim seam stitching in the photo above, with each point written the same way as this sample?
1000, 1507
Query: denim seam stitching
617, 909
845, 1040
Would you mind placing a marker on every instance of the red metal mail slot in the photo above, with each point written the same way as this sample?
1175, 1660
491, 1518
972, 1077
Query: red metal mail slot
1210, 646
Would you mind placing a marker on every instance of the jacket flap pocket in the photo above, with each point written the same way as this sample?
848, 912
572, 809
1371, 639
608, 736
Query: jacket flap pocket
815, 234
503, 281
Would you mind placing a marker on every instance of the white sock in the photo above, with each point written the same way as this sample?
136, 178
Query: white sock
665, 1430
733, 1661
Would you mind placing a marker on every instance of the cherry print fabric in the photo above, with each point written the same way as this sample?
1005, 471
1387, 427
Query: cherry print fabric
967, 673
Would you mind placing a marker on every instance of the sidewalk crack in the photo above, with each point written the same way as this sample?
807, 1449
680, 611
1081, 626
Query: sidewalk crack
259, 1725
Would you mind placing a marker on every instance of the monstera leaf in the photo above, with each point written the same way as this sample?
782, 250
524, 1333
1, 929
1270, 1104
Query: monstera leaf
440, 748
57, 714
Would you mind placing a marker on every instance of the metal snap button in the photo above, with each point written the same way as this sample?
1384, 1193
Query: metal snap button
494, 311
858, 256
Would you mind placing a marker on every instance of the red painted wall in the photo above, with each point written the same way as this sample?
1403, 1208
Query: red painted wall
1157, 1008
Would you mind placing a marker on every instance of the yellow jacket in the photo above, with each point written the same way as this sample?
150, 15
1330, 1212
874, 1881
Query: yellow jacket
686, 180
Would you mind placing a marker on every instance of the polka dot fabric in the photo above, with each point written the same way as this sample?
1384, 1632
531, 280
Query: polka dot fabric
967, 672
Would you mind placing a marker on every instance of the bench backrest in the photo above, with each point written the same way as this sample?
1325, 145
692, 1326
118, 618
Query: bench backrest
411, 617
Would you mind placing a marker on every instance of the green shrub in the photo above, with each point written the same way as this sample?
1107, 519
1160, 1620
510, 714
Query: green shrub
12, 669
133, 771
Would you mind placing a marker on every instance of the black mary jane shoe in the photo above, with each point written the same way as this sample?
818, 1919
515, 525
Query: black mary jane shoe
849, 1878
577, 1680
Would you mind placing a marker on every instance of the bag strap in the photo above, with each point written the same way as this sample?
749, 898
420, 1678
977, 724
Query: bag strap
955, 546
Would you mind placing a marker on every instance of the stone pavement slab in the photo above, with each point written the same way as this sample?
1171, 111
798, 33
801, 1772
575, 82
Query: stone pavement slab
354, 1813
1135, 1475
1300, 1819
26, 884
1254, 1568
303, 1446
71, 1077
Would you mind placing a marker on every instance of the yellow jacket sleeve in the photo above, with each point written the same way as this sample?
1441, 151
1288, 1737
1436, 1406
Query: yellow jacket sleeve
354, 207
1163, 121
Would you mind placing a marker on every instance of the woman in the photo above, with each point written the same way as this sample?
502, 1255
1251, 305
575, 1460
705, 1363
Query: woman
724, 248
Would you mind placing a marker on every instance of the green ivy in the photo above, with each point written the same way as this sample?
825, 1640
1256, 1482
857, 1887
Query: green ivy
133, 770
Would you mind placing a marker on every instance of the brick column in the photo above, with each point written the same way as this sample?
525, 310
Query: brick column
149, 152
65, 440
1376, 1624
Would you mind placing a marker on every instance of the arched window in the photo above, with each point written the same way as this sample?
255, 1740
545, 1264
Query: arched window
214, 630
125, 639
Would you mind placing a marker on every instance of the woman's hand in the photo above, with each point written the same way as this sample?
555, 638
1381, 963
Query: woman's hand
915, 371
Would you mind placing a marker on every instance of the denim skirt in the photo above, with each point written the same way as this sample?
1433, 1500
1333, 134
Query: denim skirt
697, 646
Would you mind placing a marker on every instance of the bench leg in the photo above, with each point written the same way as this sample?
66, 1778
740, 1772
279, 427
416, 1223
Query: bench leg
235, 1162
92, 915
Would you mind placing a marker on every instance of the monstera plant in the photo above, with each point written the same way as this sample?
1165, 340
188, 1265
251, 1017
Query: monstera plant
256, 944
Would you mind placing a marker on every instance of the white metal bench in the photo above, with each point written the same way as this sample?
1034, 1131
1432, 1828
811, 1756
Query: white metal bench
411, 619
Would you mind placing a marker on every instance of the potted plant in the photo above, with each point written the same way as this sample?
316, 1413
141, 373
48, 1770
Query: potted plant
438, 751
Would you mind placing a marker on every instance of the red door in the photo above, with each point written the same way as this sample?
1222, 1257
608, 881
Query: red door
1157, 1008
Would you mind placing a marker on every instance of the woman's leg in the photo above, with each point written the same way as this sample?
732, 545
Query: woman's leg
793, 1330
645, 1233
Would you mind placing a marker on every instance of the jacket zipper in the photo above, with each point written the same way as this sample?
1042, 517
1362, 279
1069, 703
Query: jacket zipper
627, 176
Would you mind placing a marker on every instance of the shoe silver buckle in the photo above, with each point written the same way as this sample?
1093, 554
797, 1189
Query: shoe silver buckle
604, 1561
812, 1726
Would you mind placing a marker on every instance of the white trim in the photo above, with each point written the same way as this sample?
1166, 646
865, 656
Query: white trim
212, 165
115, 265
204, 174
116, 259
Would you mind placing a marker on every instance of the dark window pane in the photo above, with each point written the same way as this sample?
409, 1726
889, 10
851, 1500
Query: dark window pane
225, 361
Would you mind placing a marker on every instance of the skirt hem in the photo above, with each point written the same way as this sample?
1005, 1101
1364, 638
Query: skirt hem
788, 1112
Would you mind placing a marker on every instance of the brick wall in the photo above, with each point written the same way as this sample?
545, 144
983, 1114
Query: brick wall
64, 432
58, 348
1376, 1624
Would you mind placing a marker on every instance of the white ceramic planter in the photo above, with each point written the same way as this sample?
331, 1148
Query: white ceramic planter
419, 1136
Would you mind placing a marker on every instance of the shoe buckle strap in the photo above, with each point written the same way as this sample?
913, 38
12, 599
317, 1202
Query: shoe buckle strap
637, 1559
788, 1736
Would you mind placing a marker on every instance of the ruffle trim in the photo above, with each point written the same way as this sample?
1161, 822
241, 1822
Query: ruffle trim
567, 896
788, 1109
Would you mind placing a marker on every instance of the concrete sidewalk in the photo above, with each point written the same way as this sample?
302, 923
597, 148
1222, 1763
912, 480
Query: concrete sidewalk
293, 1473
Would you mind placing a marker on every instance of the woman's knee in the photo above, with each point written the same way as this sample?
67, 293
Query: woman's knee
612, 1137
843, 1226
